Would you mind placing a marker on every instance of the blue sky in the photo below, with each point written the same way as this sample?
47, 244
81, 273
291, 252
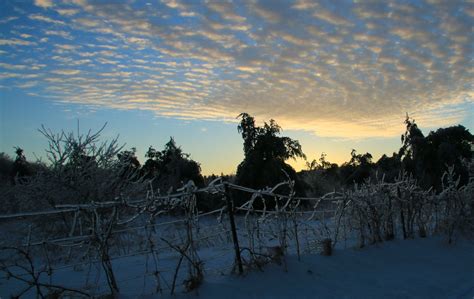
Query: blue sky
335, 75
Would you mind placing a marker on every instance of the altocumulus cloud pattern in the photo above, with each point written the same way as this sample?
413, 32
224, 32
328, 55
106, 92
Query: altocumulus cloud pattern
338, 68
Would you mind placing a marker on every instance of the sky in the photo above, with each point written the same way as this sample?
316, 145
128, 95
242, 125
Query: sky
336, 75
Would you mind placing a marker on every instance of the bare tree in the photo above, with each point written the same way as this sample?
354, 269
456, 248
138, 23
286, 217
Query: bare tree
81, 170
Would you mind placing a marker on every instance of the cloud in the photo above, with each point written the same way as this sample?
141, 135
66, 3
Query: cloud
331, 18
38, 17
67, 12
267, 14
344, 69
15, 42
66, 72
61, 48
44, 3
226, 11
61, 33
304, 4
12, 66
7, 19
174, 4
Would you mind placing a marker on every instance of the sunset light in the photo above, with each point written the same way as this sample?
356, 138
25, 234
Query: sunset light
236, 149
334, 70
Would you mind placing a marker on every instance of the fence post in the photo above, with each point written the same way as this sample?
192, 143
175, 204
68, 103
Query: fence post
230, 210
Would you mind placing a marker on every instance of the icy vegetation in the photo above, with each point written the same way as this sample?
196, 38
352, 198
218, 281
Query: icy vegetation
163, 245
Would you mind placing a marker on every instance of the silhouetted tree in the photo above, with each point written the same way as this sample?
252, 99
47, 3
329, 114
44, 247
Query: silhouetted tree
323, 163
128, 163
171, 168
389, 167
7, 198
413, 151
312, 165
265, 155
427, 158
21, 168
358, 169
322, 177
6, 168
447, 147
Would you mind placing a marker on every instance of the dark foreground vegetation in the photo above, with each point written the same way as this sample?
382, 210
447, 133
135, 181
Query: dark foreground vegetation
97, 195
82, 169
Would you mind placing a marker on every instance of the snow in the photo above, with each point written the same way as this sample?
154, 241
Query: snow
415, 268
422, 268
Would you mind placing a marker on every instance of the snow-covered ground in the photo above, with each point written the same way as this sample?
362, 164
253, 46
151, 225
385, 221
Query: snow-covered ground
421, 268
144, 256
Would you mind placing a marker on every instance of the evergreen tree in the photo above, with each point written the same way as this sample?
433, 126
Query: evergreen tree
171, 168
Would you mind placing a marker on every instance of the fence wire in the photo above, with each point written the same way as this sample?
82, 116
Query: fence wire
169, 244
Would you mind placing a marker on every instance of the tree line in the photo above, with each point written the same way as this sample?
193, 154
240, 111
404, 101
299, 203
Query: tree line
78, 163
425, 158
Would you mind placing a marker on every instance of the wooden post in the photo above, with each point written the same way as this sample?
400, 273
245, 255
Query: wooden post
230, 210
